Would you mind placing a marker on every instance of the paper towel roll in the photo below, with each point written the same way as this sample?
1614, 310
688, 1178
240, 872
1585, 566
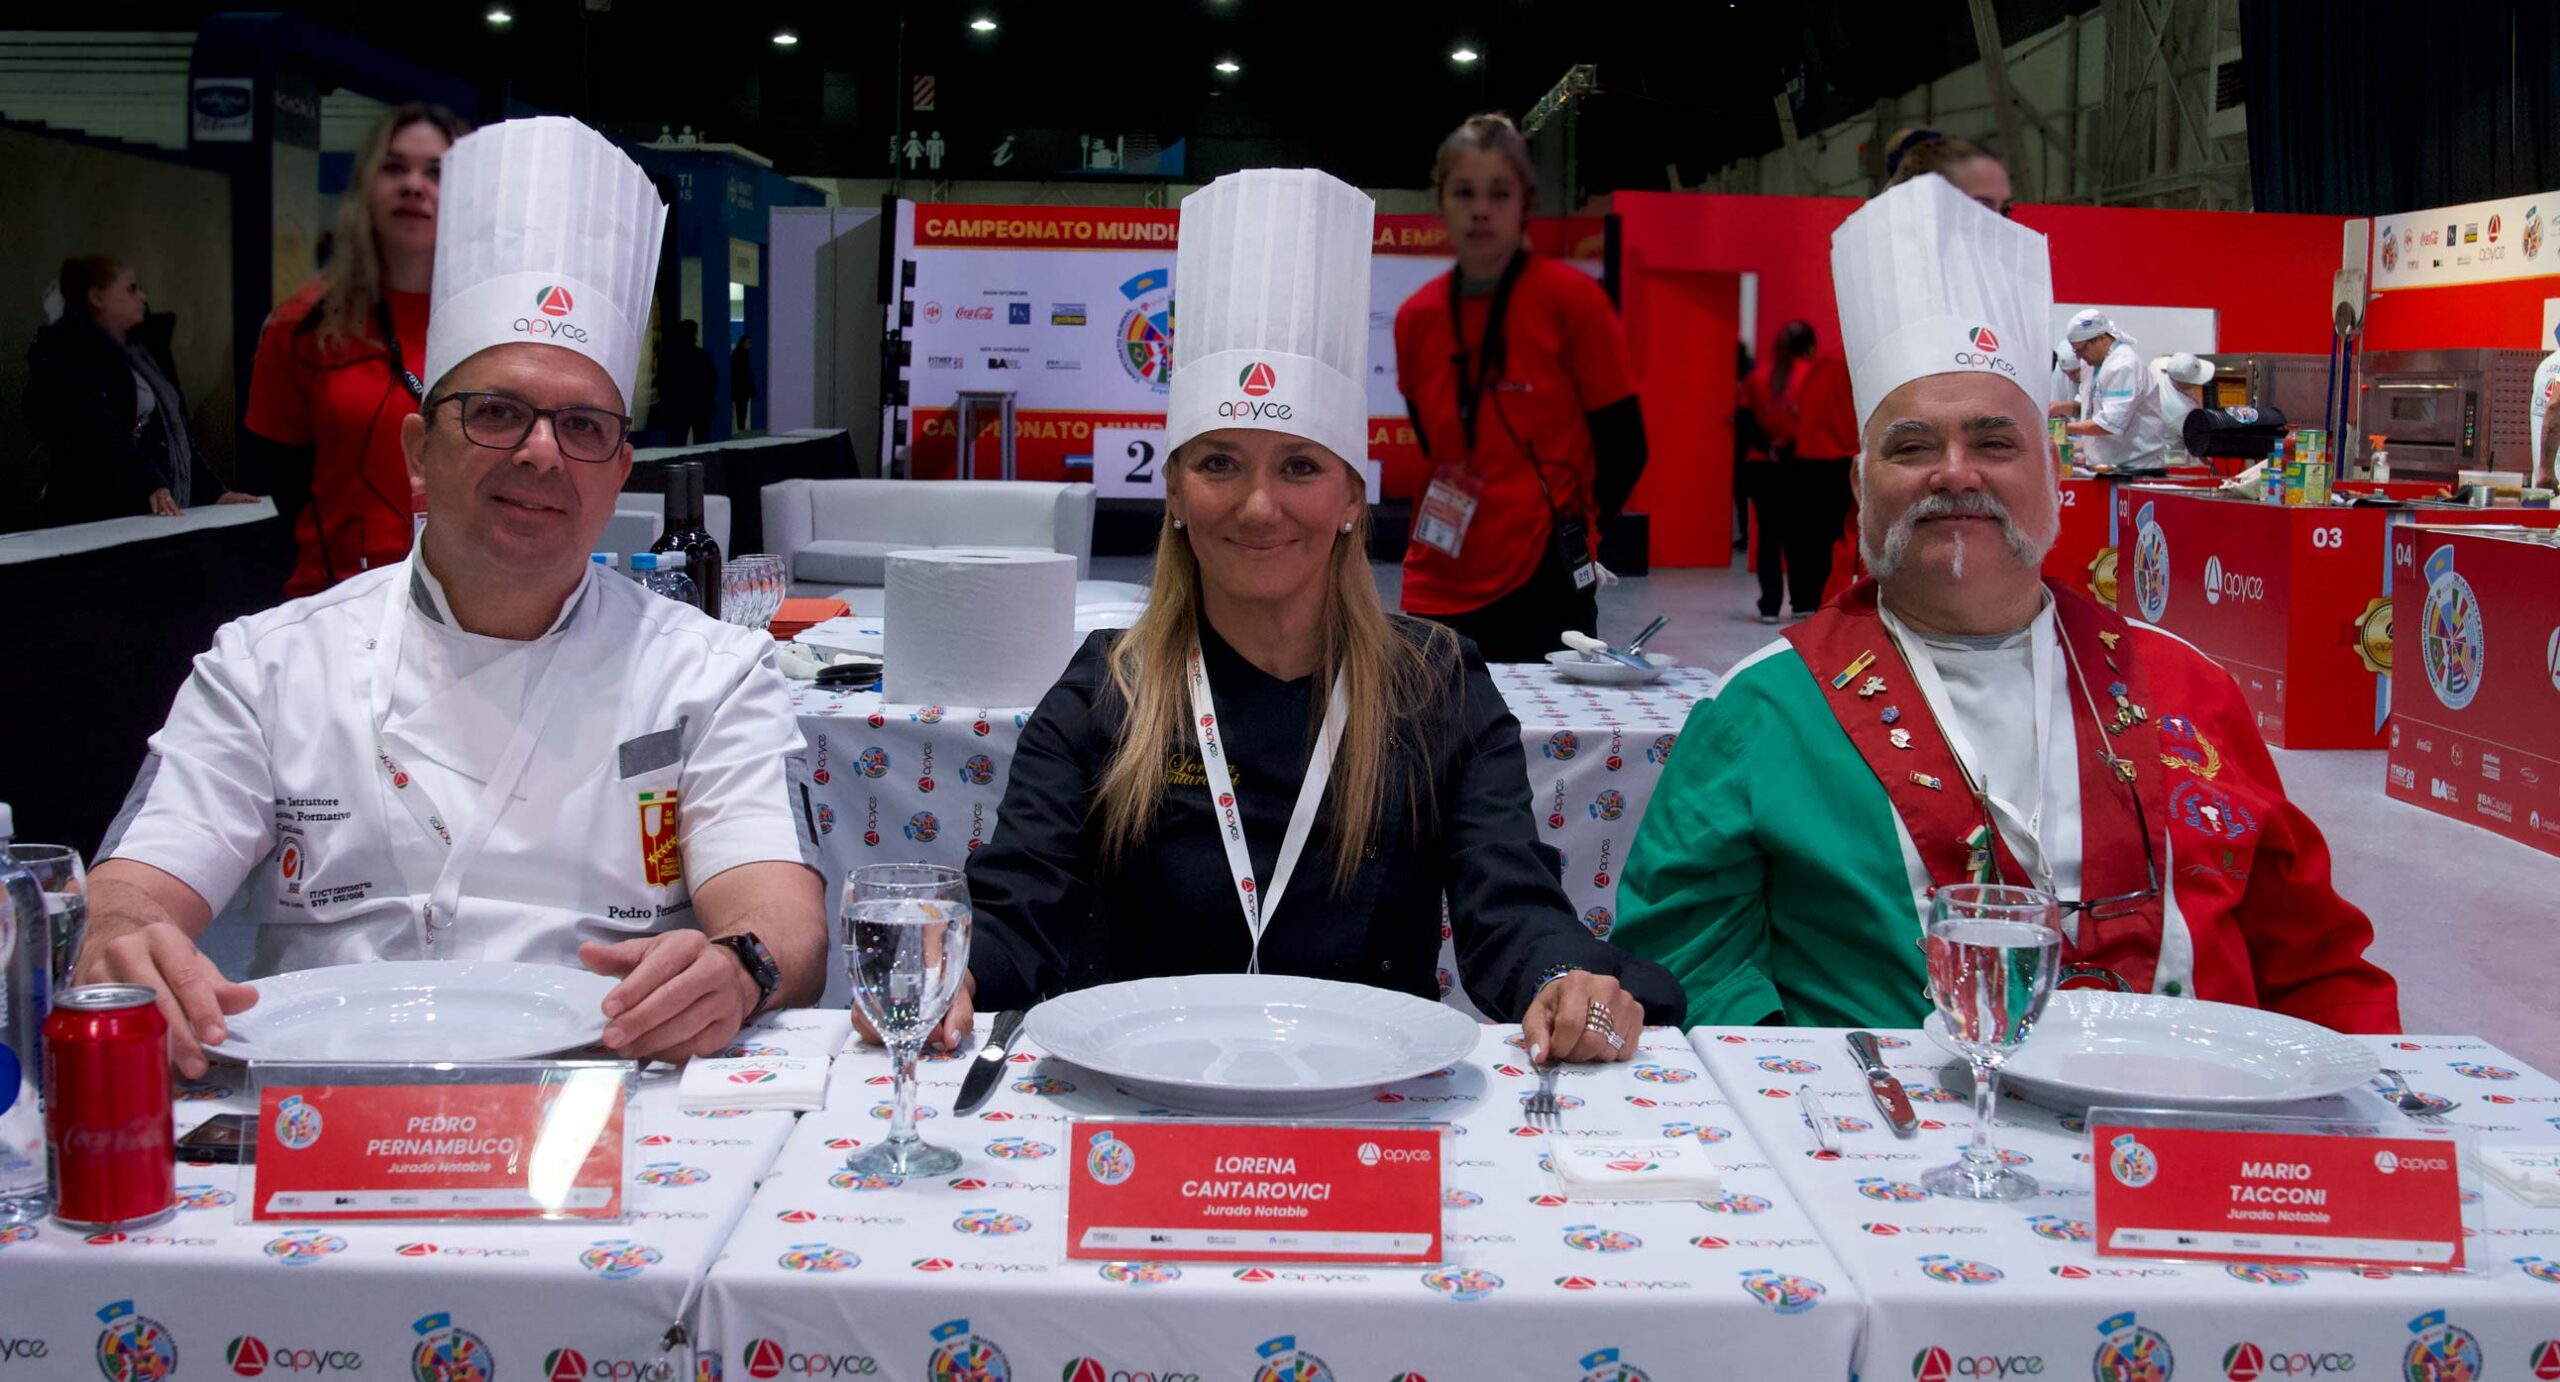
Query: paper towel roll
977, 626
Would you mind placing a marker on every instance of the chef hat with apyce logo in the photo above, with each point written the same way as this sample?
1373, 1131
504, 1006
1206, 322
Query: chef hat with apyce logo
546, 233
1271, 310
1931, 282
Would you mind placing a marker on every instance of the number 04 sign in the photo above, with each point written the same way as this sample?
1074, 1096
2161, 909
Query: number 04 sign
1128, 463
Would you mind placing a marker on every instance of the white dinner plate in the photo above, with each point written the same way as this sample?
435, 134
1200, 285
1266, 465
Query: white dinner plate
1601, 671
1251, 1043
419, 1010
2095, 1047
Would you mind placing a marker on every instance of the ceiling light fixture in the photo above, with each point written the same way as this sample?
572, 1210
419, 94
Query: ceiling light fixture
983, 25
499, 17
1463, 56
1229, 66
784, 38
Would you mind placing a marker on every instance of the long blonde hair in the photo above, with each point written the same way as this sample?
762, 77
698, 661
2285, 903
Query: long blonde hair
354, 275
1387, 678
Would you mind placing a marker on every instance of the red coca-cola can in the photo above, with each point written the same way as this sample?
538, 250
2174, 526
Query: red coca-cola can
106, 1108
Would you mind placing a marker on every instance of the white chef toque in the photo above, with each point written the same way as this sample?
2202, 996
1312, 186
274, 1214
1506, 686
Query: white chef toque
2088, 324
546, 233
2186, 367
1271, 315
1929, 281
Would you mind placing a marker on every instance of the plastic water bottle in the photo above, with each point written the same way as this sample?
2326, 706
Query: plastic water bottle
26, 978
603, 559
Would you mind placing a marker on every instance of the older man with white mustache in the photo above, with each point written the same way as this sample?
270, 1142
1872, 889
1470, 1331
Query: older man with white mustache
1954, 718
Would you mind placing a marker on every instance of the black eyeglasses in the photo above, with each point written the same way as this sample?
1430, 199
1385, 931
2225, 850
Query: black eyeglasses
2124, 904
501, 423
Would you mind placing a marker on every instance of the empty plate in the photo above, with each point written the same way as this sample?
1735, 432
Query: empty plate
2144, 1050
1601, 671
1251, 1043
419, 1010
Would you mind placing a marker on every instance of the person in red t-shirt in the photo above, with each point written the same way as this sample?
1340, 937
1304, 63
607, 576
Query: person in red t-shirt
1801, 492
335, 368
1514, 371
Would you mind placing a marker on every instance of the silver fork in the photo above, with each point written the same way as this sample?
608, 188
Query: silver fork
1541, 1108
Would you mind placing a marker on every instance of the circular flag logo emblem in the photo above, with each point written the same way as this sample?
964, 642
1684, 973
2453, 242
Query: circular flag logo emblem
1019, 1149
1462, 1283
447, 1353
990, 1223
619, 1259
304, 1246
1140, 1273
1958, 1271
2267, 1274
816, 1257
1593, 1238
1146, 329
1780, 1291
297, 1123
857, 1180
2132, 1164
960, 1356
1284, 1361
1663, 1074
1734, 1202
2452, 643
133, 1348
2151, 569
1110, 1160
2441, 1352
2127, 1352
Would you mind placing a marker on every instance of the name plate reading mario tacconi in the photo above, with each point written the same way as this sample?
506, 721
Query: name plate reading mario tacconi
1196, 1191
510, 1140
2262, 1192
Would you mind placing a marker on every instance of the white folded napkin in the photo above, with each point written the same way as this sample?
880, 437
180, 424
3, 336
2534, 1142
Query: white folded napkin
1640, 1171
2530, 1174
754, 1082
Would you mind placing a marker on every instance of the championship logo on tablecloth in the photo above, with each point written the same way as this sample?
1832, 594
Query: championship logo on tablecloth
619, 1259
2441, 1352
2451, 641
304, 1246
2127, 1352
134, 1348
1284, 1361
1462, 1283
1958, 1271
1783, 1292
1109, 1160
1140, 1273
446, 1352
1604, 1365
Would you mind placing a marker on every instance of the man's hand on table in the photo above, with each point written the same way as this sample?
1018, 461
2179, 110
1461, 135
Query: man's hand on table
951, 1034
680, 995
193, 995
1558, 1027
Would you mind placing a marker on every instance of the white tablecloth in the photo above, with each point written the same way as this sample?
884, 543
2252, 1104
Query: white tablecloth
830, 1276
518, 1298
890, 783
1960, 1290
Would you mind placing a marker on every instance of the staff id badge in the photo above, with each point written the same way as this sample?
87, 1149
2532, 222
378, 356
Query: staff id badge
1448, 509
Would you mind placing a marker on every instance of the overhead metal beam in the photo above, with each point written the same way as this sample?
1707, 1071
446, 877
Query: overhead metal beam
1995, 70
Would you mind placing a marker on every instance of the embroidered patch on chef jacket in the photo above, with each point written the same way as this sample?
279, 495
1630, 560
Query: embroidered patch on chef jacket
660, 864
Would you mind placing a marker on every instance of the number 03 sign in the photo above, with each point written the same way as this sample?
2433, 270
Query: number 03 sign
1128, 463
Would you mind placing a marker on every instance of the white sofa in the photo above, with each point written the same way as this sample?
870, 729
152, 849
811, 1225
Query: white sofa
832, 534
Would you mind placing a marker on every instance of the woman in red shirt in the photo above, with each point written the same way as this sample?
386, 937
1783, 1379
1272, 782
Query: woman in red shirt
335, 369
1801, 493
1513, 369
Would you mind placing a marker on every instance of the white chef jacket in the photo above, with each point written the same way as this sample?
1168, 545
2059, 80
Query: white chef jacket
2174, 404
2123, 401
2546, 391
271, 771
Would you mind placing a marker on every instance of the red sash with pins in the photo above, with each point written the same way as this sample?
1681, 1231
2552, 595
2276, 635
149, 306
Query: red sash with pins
1870, 688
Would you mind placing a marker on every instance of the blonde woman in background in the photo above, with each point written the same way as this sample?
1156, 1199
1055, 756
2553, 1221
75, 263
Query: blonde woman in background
336, 366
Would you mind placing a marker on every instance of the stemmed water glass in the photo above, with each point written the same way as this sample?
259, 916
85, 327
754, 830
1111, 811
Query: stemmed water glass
906, 947
1993, 952
751, 589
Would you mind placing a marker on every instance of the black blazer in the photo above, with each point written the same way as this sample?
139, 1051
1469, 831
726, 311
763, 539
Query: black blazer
81, 403
1050, 918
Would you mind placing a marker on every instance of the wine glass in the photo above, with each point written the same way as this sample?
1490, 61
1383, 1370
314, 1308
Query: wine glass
1994, 951
906, 946
65, 885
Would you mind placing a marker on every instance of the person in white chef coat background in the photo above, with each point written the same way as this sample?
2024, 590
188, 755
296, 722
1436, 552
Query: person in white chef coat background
488, 751
2179, 381
2120, 426
2546, 393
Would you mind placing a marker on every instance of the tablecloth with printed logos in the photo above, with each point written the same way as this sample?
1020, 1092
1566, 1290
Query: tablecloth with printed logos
834, 1275
891, 783
1965, 1290
205, 1294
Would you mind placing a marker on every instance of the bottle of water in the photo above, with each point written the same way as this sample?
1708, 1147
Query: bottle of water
26, 976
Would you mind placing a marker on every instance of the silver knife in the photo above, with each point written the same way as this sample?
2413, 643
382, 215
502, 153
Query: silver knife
1886, 1090
988, 1066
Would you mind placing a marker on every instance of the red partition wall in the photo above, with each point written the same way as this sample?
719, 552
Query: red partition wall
2504, 316
2267, 275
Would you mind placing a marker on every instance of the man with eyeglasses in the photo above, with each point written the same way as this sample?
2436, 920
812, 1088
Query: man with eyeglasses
1955, 718
494, 750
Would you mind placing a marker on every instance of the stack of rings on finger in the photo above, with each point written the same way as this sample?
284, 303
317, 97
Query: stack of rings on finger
1600, 1023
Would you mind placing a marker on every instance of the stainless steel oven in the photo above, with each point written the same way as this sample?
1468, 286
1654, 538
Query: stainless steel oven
2444, 411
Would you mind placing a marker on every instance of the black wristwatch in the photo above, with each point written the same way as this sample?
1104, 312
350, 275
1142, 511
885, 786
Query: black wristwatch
759, 963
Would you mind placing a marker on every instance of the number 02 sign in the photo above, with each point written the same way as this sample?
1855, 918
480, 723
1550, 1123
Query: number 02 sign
1128, 463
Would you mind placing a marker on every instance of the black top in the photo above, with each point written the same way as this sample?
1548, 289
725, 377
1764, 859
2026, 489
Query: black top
1050, 918
82, 402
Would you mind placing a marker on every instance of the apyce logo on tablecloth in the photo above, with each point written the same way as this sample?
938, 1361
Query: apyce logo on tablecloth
2247, 1362
251, 1356
766, 1359
1934, 1364
571, 1365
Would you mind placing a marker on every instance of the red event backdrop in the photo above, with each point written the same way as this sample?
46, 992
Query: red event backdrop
2267, 275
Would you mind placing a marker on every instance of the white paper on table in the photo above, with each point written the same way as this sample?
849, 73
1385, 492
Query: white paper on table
1641, 1171
754, 1082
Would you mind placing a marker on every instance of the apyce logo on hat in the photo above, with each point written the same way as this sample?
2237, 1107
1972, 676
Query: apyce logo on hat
1257, 380
1985, 339
1984, 355
556, 302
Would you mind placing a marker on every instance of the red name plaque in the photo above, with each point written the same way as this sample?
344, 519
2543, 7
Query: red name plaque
1192, 1191
523, 1143
2249, 1195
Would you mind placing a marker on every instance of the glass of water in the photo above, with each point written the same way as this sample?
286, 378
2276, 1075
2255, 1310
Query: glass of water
906, 948
65, 885
1993, 951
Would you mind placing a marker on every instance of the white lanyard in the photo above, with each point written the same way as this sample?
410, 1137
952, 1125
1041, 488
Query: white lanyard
2044, 652
444, 899
1260, 903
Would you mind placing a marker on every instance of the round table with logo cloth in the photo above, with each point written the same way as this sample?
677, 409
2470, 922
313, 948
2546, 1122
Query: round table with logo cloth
964, 1275
886, 783
204, 1294
1960, 1290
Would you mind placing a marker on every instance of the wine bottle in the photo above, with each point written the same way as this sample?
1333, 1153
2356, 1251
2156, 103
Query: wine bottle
687, 538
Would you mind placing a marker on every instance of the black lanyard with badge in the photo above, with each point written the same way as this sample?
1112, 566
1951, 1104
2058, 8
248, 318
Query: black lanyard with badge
417, 390
1449, 504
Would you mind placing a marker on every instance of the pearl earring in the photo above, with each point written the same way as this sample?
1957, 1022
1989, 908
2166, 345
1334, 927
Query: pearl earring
1346, 527
1177, 523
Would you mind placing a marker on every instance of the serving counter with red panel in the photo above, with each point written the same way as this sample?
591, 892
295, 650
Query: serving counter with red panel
2083, 555
2293, 601
2475, 725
